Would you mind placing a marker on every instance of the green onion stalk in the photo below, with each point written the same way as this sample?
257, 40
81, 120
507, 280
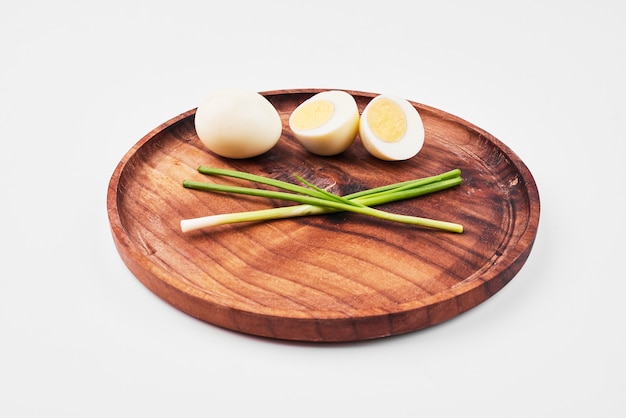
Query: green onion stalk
316, 201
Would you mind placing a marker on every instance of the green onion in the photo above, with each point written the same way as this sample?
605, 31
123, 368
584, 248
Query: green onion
315, 201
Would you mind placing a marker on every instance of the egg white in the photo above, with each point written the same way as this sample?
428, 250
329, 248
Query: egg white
237, 123
407, 145
337, 133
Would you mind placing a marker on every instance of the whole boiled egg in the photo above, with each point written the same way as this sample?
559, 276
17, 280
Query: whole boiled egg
391, 128
326, 123
237, 123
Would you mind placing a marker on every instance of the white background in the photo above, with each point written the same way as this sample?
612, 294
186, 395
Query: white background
81, 82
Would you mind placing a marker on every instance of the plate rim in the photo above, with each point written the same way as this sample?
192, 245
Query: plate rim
478, 289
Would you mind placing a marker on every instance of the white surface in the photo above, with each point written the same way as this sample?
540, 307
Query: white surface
81, 82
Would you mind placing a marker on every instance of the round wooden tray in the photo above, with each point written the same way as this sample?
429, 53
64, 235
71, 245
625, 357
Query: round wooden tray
339, 277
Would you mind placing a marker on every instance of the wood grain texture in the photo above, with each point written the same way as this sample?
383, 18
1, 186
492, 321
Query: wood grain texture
330, 278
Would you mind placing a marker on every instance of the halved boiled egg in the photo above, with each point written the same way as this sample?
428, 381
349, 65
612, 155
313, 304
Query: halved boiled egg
391, 128
238, 123
326, 123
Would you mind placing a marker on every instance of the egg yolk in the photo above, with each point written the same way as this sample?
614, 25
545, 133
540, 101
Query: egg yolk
312, 115
386, 120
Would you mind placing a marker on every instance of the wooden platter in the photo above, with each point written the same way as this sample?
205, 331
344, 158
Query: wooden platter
329, 278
